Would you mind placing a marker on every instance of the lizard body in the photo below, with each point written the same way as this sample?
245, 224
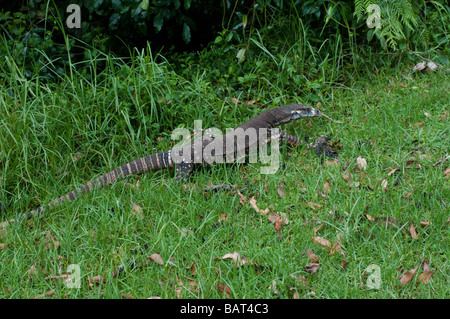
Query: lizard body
192, 154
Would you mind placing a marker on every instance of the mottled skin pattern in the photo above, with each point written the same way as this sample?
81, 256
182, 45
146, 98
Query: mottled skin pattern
268, 120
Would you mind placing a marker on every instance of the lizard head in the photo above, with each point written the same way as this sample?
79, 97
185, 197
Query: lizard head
294, 112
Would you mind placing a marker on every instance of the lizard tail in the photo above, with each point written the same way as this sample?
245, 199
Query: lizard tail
141, 165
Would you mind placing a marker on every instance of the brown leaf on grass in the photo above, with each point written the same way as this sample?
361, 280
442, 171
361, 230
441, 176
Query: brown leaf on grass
425, 223
137, 210
412, 231
273, 217
5, 224
393, 170
46, 294
156, 258
322, 241
238, 259
64, 277
384, 184
406, 277
222, 288
3, 246
273, 287
242, 198
53, 239
370, 218
261, 211
407, 194
223, 217
235, 100
312, 268
444, 116
313, 205
96, 280
127, 296
447, 172
280, 190
327, 188
362, 163
312, 258
301, 280
425, 277
32, 272
133, 186
418, 124
387, 221
346, 177
193, 269
336, 248
332, 163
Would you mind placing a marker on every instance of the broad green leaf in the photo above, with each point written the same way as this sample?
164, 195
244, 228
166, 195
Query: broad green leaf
187, 4
158, 21
144, 5
114, 21
186, 33
241, 55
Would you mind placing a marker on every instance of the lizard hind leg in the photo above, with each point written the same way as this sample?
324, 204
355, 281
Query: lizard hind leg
182, 171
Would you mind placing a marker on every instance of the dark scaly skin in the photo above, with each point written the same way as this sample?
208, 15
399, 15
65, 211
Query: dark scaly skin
268, 119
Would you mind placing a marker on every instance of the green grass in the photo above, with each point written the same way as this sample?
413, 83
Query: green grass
55, 137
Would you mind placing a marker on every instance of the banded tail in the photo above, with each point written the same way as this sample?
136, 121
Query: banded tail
151, 162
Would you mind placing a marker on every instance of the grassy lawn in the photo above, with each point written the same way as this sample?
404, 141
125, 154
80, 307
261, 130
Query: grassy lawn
320, 225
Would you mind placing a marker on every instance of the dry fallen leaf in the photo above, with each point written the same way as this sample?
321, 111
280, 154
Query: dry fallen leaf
273, 287
425, 277
242, 198
32, 272
3, 246
156, 258
96, 280
420, 66
54, 241
224, 288
238, 259
322, 241
412, 231
47, 294
223, 217
261, 211
278, 223
313, 205
327, 188
384, 184
406, 277
332, 163
280, 190
137, 210
312, 268
312, 258
393, 170
362, 163
301, 280
418, 124
273, 217
447, 172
